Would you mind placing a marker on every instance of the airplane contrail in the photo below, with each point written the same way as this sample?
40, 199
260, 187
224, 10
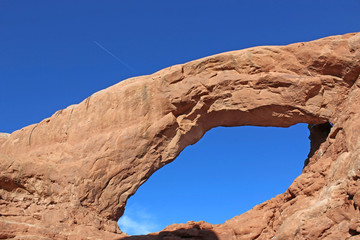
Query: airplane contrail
117, 58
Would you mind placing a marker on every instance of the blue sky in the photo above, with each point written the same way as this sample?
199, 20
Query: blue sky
57, 53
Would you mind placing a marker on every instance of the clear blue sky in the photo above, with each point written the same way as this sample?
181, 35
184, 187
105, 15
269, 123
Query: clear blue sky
57, 53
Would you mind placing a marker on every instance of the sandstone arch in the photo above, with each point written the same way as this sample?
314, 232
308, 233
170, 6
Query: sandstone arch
71, 174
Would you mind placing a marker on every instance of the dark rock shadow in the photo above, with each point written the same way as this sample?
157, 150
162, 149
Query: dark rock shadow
318, 135
194, 233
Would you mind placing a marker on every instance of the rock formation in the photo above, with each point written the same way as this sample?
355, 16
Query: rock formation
69, 176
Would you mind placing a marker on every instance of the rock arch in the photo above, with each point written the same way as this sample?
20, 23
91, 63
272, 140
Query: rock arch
71, 174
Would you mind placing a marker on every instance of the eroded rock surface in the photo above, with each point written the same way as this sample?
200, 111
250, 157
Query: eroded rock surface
69, 176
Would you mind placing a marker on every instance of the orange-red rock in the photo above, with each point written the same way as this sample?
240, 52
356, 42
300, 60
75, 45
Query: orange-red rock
69, 176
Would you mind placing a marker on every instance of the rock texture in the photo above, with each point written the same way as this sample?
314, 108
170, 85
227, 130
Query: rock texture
69, 176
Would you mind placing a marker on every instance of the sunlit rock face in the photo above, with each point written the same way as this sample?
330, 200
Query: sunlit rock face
69, 176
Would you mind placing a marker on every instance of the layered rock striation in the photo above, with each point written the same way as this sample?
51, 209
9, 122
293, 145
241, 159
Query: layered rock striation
69, 176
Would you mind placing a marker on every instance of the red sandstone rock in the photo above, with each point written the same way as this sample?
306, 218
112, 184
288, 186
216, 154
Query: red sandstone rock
69, 176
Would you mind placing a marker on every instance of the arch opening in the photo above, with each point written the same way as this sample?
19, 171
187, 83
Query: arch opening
226, 173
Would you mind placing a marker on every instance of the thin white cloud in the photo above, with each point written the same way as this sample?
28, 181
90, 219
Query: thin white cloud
137, 222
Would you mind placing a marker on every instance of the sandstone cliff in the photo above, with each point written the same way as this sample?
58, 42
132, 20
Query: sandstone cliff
69, 176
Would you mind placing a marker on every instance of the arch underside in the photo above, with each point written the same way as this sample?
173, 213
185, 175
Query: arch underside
74, 171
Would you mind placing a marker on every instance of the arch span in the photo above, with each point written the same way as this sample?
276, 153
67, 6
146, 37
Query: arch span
226, 173
83, 163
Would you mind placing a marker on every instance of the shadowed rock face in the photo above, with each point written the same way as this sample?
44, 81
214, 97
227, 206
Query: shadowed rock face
69, 176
